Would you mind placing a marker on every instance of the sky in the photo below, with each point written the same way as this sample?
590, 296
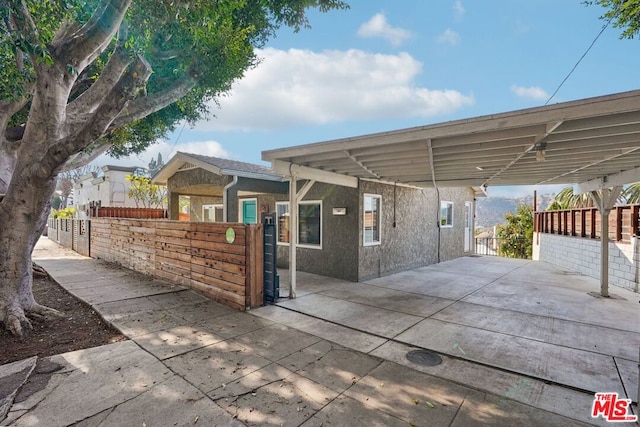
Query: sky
387, 65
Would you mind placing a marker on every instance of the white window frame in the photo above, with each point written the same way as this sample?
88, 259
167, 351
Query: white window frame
286, 204
305, 245
444, 204
241, 201
379, 220
298, 244
213, 206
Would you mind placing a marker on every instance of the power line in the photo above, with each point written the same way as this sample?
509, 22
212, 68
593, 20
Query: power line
177, 138
604, 27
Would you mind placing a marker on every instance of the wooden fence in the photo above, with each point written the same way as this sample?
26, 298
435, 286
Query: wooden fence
623, 222
115, 212
201, 256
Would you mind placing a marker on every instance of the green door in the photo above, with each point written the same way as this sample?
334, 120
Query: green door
249, 212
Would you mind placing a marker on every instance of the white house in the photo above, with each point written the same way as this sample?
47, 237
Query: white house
109, 189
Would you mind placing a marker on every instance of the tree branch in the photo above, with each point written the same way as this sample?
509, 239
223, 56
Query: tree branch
142, 107
7, 110
84, 45
92, 97
98, 124
24, 21
84, 157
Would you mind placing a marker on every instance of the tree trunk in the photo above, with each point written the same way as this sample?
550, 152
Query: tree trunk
24, 211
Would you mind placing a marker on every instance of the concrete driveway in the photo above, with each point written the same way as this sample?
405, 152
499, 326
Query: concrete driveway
526, 330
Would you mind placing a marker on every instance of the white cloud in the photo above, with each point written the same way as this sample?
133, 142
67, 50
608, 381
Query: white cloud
378, 26
535, 93
449, 36
301, 87
458, 8
167, 149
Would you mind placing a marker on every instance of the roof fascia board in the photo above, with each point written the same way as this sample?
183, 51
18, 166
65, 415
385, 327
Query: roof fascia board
254, 175
304, 172
174, 165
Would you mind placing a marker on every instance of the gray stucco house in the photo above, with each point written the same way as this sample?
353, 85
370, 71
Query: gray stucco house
220, 190
355, 234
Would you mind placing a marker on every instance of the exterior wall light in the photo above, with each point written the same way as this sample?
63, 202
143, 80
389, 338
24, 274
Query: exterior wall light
540, 148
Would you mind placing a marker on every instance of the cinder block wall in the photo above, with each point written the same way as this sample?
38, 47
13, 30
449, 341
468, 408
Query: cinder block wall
583, 255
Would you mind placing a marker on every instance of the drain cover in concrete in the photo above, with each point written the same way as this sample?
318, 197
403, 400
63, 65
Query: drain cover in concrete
424, 357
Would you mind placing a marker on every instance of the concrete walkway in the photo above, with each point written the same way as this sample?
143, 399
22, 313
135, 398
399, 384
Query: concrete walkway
521, 329
191, 361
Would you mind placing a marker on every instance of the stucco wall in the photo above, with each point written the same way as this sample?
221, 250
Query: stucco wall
190, 183
339, 255
452, 239
583, 255
196, 203
413, 242
191, 177
197, 183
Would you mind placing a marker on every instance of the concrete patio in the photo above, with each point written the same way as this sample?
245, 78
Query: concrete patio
522, 343
520, 329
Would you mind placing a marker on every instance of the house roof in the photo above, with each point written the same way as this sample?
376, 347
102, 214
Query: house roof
130, 169
594, 142
216, 165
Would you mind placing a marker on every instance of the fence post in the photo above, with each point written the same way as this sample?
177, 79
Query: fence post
560, 223
618, 223
593, 223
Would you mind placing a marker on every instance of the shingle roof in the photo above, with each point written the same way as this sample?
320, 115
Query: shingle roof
215, 165
229, 166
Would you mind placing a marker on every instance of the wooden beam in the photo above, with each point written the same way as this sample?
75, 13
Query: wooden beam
304, 172
621, 178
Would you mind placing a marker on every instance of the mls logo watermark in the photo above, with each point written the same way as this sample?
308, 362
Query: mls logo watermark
611, 408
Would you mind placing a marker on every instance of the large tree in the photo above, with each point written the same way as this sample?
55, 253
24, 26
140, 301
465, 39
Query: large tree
625, 15
80, 77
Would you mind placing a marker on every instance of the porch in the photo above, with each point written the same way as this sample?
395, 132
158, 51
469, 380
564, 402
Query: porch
524, 329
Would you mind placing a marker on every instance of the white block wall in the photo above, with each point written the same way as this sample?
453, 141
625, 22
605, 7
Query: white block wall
583, 255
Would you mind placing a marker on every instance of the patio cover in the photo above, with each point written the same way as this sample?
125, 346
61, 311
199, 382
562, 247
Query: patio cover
587, 141
592, 142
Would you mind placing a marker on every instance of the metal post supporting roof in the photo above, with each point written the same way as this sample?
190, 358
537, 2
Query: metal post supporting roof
605, 200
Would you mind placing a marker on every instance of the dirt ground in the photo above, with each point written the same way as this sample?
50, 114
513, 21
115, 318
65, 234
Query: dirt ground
80, 327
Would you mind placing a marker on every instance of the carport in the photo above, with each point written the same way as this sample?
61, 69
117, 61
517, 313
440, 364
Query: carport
592, 143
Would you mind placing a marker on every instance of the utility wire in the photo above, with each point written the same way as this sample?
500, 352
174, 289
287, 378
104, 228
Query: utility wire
604, 27
175, 141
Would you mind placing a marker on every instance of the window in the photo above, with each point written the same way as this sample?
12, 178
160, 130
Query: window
371, 219
446, 214
212, 213
282, 214
310, 224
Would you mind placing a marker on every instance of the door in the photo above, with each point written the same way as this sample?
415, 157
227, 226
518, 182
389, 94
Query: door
249, 211
468, 225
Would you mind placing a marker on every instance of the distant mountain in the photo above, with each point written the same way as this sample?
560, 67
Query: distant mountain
490, 211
